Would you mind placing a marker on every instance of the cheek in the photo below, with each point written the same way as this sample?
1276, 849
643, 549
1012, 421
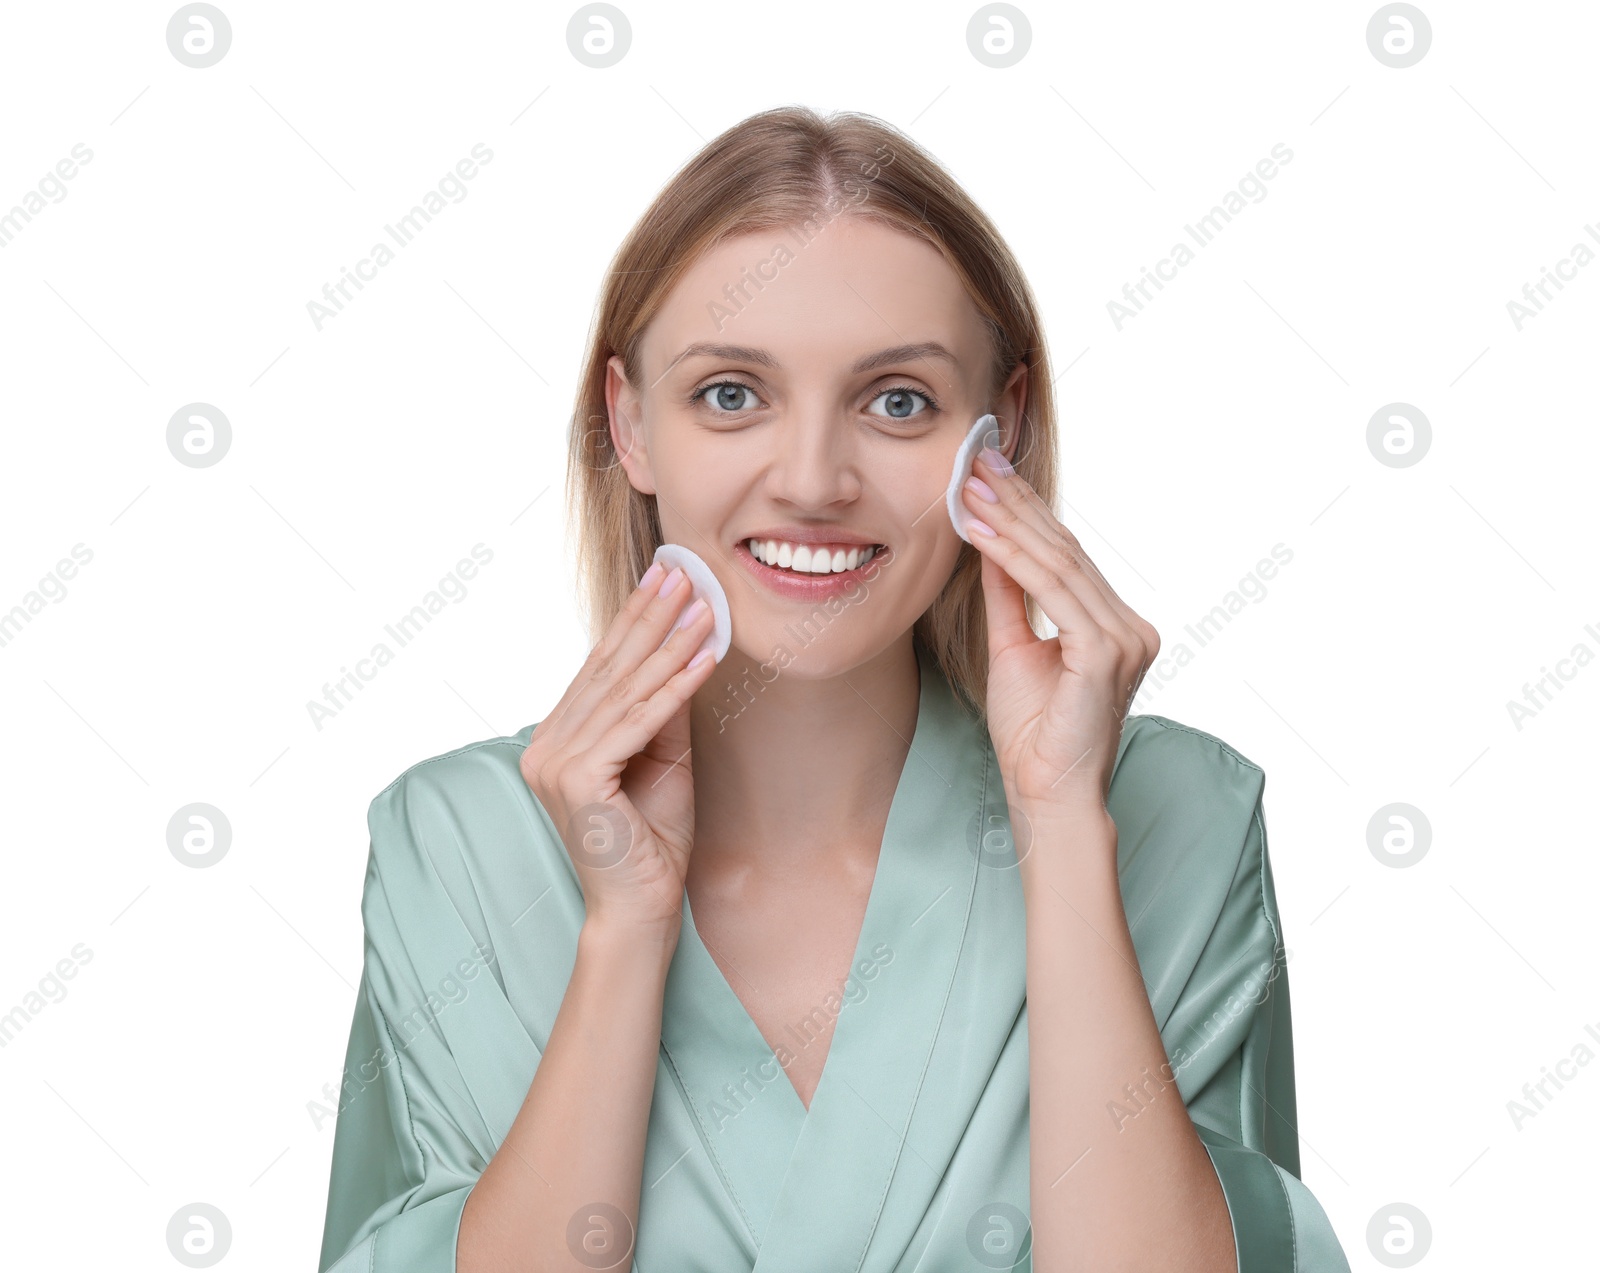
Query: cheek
918, 493
926, 546
697, 480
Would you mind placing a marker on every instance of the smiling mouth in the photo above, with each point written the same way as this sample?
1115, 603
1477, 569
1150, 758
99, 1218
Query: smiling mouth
809, 561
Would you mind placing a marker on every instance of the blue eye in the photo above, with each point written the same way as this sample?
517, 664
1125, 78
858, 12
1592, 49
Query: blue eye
726, 397
899, 394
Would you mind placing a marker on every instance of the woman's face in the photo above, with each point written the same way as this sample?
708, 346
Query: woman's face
812, 396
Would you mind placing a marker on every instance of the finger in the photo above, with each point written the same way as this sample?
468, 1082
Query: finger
635, 633
626, 681
661, 716
1135, 635
1051, 551
1063, 606
670, 744
605, 650
1036, 525
1005, 606
1143, 631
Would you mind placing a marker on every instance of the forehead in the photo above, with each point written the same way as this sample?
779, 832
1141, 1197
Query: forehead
854, 287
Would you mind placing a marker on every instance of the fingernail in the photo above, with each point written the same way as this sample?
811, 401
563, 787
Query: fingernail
673, 580
651, 577
983, 528
997, 462
695, 611
982, 489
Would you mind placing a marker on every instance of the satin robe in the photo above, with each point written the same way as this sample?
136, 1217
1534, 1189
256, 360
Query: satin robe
914, 1153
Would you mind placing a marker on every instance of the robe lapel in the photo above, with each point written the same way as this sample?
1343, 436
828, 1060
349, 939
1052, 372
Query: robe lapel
747, 1111
860, 1137
889, 1111
937, 983
771, 1154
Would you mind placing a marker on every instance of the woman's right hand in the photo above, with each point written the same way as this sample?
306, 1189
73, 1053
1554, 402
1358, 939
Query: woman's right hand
611, 764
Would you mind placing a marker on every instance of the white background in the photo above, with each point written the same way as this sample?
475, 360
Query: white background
369, 457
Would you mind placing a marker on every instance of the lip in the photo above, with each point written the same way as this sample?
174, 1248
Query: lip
798, 587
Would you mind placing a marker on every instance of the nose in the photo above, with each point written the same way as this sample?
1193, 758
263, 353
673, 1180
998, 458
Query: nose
814, 459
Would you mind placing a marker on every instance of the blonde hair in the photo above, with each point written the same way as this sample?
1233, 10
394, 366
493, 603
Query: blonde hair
782, 168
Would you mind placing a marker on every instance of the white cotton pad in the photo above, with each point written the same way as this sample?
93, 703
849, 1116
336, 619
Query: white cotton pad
977, 438
705, 585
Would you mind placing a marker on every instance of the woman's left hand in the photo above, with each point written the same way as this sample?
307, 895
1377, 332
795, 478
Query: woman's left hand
1056, 704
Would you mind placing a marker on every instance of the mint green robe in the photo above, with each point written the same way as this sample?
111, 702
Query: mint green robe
914, 1153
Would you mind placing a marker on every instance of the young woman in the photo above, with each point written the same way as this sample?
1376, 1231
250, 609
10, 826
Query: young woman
889, 941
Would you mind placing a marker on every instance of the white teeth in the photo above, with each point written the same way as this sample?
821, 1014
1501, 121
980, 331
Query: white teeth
806, 559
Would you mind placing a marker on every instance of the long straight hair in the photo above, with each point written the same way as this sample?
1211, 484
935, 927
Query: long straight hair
791, 167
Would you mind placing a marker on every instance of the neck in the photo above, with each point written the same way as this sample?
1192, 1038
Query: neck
785, 763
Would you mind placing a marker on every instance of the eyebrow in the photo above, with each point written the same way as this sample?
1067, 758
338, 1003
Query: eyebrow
869, 362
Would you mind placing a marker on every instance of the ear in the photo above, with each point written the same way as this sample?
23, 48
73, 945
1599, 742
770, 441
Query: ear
625, 420
1009, 405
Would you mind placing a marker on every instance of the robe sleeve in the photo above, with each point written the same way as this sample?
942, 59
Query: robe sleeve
401, 1168
1230, 1043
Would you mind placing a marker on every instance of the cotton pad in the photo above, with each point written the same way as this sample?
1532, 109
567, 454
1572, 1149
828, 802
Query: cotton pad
977, 438
706, 586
